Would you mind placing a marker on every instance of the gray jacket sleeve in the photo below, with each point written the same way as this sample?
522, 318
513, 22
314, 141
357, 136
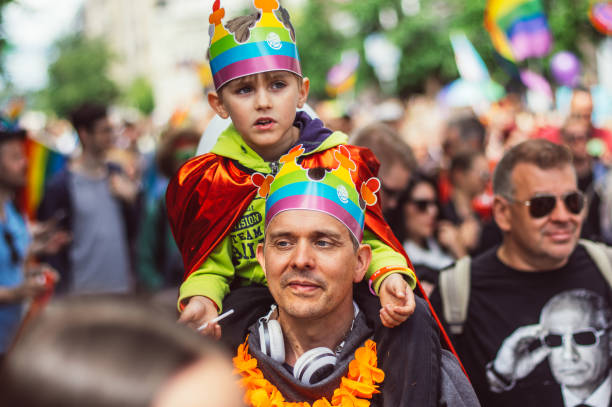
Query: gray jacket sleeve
455, 389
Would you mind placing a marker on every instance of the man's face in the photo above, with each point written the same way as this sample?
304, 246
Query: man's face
573, 364
545, 240
310, 264
394, 180
13, 164
100, 138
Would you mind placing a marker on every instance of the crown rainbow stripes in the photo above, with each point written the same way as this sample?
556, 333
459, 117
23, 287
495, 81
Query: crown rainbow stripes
328, 190
268, 48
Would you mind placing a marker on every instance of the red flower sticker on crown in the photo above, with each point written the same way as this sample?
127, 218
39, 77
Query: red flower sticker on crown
292, 155
343, 156
263, 182
217, 14
369, 190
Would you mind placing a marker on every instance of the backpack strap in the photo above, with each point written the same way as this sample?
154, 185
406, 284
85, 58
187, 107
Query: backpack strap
454, 285
601, 255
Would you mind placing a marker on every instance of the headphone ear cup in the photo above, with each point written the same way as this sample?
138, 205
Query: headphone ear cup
277, 342
314, 365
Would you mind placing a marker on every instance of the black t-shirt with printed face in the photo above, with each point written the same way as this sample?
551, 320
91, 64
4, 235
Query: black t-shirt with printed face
503, 299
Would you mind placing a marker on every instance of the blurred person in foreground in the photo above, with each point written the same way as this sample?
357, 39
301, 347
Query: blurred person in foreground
397, 163
504, 336
20, 279
99, 206
160, 265
431, 244
110, 351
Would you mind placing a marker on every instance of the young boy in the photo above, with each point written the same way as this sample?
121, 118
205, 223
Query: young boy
215, 202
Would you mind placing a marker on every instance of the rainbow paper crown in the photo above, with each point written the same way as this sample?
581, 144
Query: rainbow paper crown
328, 190
268, 48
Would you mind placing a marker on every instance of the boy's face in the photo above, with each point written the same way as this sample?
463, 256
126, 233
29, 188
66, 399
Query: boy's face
262, 108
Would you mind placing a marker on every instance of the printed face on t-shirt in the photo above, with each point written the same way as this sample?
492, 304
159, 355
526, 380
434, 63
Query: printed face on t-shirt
579, 345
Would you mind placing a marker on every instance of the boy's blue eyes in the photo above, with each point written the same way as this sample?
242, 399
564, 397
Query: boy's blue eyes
247, 89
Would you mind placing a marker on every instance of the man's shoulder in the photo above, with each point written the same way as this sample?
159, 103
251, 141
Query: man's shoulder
485, 262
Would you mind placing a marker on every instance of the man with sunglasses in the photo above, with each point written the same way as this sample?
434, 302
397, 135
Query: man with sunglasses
573, 333
539, 209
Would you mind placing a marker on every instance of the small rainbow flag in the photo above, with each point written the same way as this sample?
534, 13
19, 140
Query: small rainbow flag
518, 28
43, 163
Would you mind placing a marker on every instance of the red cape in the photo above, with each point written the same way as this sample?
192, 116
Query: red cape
210, 193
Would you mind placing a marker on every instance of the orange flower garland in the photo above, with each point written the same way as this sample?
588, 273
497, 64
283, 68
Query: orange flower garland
359, 383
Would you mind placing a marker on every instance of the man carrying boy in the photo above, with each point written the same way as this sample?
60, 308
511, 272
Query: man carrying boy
317, 343
215, 202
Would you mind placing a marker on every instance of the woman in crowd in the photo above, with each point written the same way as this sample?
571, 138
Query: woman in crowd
429, 253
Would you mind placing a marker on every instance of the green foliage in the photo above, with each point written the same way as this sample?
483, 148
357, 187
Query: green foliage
4, 45
140, 95
79, 73
423, 38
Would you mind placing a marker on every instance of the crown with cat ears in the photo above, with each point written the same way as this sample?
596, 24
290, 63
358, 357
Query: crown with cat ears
269, 47
328, 190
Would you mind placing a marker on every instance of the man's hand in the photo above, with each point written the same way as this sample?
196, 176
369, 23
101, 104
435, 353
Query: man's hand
123, 188
396, 299
515, 360
47, 238
198, 311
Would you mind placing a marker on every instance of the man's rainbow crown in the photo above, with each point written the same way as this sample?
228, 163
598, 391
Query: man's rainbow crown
328, 190
269, 47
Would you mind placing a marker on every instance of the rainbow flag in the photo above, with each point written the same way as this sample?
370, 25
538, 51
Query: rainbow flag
43, 163
518, 28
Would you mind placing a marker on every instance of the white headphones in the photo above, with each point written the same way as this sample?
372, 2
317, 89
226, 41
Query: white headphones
310, 368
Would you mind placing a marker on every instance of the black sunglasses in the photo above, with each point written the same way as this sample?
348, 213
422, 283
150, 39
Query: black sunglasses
584, 337
423, 204
542, 205
15, 257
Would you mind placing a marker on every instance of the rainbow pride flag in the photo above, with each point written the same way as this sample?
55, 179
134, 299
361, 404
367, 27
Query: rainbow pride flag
43, 163
518, 28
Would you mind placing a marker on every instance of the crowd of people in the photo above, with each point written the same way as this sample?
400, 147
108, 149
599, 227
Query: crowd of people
334, 262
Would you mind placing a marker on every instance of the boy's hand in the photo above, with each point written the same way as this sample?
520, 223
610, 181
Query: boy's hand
198, 311
397, 300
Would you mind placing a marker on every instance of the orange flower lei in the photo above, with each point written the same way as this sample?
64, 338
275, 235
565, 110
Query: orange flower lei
357, 385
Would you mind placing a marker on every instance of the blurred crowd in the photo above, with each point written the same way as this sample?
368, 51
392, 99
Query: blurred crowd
101, 225
436, 166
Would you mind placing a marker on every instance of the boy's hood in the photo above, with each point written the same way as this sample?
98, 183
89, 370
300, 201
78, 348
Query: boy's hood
314, 137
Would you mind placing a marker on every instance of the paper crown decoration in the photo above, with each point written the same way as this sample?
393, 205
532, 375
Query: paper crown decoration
268, 48
328, 190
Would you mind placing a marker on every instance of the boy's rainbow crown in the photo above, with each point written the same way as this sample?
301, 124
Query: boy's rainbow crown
268, 48
331, 191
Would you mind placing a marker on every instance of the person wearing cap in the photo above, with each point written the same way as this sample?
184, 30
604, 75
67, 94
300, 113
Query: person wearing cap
213, 205
19, 281
310, 339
